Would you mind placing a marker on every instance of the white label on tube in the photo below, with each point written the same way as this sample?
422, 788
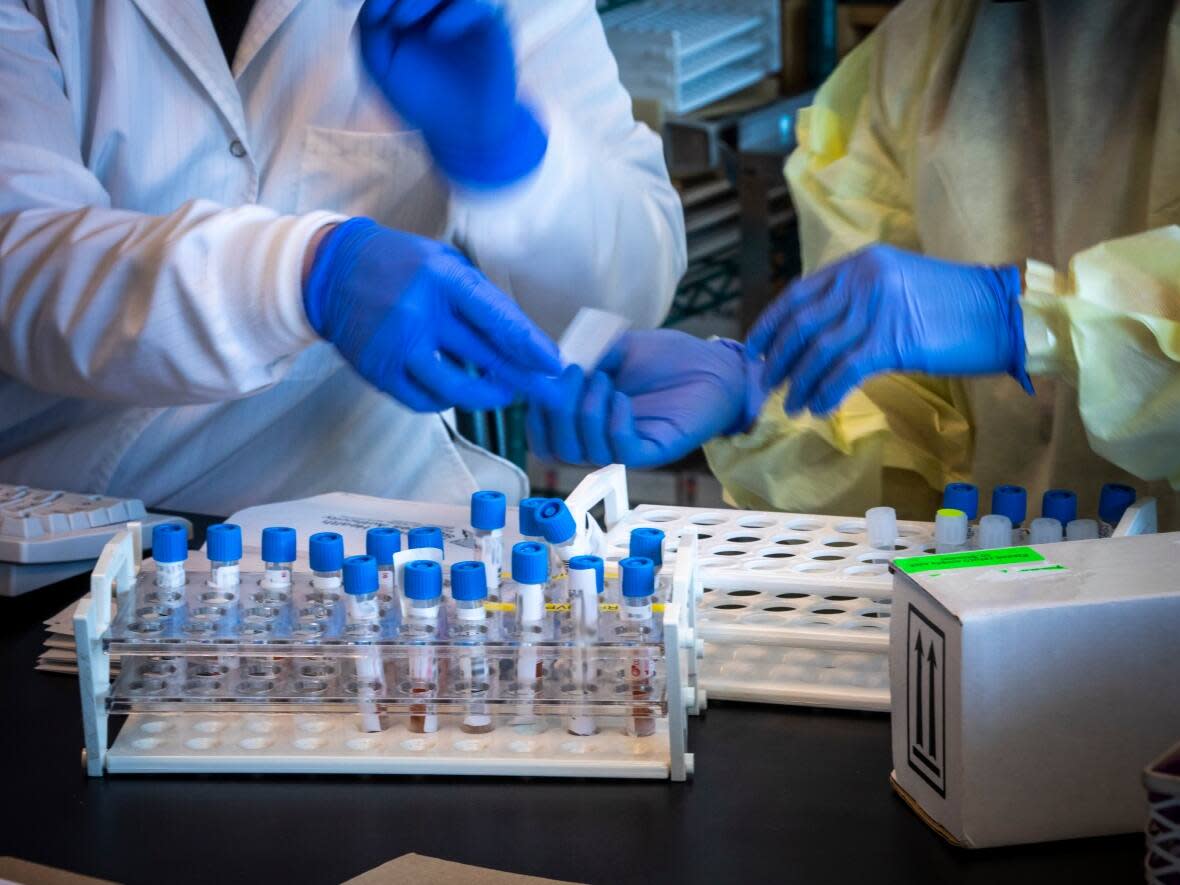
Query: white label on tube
169, 574
531, 601
362, 609
489, 549
224, 576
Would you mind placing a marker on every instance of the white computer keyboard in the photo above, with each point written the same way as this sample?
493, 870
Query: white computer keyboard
47, 535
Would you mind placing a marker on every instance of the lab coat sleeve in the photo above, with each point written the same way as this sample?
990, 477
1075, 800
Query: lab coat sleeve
598, 224
1110, 325
848, 181
201, 304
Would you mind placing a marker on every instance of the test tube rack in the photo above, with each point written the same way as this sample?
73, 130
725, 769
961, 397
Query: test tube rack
262, 692
795, 608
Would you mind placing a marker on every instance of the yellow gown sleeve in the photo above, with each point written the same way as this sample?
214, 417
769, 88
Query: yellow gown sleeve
900, 437
1110, 326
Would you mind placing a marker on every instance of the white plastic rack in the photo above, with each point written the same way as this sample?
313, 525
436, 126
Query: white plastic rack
247, 678
688, 53
796, 607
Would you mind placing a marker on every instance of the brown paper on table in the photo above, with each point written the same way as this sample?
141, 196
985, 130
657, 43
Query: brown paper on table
23, 872
417, 869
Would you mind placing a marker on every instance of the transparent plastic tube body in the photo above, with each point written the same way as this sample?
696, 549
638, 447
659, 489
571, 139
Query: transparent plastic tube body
1044, 530
423, 622
275, 585
386, 586
170, 575
995, 530
530, 606
224, 574
471, 617
1081, 530
362, 612
326, 587
489, 549
583, 593
881, 527
950, 531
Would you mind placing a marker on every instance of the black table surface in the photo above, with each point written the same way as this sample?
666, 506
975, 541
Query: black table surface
780, 794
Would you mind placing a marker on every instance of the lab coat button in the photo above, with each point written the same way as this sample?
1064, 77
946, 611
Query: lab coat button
237, 148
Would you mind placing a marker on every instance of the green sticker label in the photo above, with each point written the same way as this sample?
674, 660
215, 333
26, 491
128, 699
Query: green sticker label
913, 565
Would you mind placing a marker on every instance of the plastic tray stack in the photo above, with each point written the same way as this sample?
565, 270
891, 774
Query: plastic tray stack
795, 608
688, 53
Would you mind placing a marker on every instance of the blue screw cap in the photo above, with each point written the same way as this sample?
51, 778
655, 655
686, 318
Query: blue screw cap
223, 542
639, 576
556, 522
530, 563
278, 544
528, 516
325, 552
423, 579
961, 496
1061, 505
360, 575
1112, 502
469, 580
1012, 502
381, 542
488, 511
648, 543
425, 536
169, 542
578, 563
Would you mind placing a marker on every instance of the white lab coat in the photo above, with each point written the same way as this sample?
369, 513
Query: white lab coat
154, 213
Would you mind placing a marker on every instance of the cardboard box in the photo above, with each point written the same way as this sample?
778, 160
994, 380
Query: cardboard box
1032, 685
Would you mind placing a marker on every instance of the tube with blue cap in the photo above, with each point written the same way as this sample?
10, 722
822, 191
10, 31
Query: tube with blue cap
223, 546
1060, 504
362, 624
530, 574
325, 554
558, 528
527, 511
278, 557
1012, 501
381, 543
1113, 502
962, 496
360, 594
425, 536
469, 589
170, 551
585, 588
489, 512
423, 589
638, 590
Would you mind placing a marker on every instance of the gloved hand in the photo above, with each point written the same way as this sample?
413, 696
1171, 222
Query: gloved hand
656, 397
447, 68
883, 309
408, 313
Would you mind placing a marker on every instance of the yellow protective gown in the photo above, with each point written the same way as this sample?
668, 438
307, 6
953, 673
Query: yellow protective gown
1041, 133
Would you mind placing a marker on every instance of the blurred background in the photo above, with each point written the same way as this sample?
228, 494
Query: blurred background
721, 81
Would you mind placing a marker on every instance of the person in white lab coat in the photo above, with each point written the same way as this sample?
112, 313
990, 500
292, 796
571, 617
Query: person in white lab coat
159, 209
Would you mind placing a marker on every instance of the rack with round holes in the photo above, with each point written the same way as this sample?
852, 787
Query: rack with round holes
229, 699
795, 607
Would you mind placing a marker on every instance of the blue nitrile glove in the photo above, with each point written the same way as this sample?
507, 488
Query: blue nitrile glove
410, 313
656, 397
883, 309
447, 68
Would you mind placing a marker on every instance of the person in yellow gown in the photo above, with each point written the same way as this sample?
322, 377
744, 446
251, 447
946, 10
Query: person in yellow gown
989, 206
